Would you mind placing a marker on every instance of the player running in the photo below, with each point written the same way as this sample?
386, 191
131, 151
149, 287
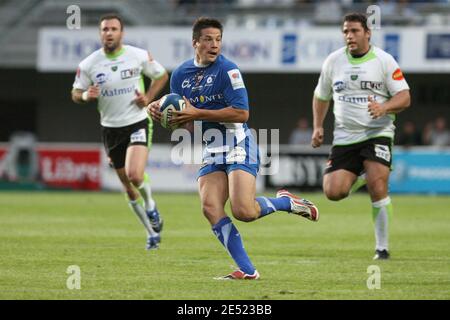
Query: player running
215, 93
113, 76
368, 89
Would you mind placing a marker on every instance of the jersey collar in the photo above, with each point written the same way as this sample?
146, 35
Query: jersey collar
114, 55
199, 65
367, 57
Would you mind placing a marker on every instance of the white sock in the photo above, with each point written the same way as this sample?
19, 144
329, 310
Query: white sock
146, 193
142, 216
381, 211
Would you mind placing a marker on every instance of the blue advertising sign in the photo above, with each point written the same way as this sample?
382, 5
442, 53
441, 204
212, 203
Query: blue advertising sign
438, 46
420, 172
392, 45
289, 49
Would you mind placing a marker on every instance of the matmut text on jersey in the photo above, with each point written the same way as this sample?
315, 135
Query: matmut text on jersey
119, 76
349, 82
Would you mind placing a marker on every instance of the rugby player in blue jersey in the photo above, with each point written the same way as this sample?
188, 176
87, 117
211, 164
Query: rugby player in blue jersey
214, 92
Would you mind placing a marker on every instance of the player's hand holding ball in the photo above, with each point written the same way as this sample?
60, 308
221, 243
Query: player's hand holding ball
185, 115
165, 108
153, 109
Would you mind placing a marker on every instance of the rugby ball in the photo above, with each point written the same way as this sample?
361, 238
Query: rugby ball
169, 103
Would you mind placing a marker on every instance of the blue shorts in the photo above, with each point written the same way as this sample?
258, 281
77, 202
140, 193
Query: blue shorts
227, 168
244, 156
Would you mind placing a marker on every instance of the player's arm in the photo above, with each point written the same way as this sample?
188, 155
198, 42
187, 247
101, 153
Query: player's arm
82, 96
153, 109
321, 102
228, 114
320, 110
156, 86
396, 104
77, 96
159, 77
236, 98
396, 86
82, 81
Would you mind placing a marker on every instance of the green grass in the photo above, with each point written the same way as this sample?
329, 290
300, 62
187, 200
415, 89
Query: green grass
41, 234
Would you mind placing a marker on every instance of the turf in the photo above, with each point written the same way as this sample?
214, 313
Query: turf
42, 234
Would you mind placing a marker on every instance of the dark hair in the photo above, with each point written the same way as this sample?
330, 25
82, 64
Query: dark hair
357, 17
203, 23
111, 16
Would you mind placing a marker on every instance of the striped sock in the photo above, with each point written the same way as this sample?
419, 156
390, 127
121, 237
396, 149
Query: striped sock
269, 205
229, 236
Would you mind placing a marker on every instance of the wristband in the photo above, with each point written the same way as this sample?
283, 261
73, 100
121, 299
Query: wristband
84, 96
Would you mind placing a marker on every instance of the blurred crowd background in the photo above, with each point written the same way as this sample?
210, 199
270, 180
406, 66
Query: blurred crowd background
39, 102
35, 104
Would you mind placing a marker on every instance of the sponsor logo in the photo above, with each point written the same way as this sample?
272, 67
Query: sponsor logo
113, 64
195, 81
138, 136
117, 91
100, 78
198, 77
236, 79
186, 84
78, 169
354, 71
197, 88
129, 73
397, 74
338, 86
371, 85
237, 155
210, 80
382, 151
363, 99
203, 99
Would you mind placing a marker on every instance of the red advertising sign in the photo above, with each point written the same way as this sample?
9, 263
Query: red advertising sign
77, 169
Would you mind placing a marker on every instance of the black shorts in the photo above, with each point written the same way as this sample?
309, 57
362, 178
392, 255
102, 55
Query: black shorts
351, 157
117, 140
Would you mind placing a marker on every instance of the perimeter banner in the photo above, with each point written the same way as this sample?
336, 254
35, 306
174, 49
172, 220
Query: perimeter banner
302, 50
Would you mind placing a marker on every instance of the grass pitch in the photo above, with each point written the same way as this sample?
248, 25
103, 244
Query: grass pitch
42, 234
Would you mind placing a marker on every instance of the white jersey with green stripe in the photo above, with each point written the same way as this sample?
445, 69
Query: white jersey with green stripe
118, 76
349, 82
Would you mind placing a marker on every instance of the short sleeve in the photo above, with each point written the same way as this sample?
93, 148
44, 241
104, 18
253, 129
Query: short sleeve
235, 93
82, 80
324, 88
395, 81
174, 83
152, 68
